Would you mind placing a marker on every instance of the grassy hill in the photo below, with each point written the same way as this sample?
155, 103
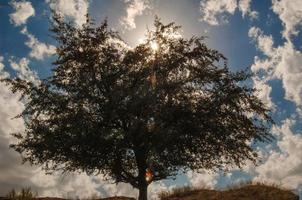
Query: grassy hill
55, 198
245, 192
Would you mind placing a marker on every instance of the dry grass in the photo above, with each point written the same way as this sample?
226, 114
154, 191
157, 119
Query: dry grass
118, 198
178, 192
92, 198
242, 191
28, 194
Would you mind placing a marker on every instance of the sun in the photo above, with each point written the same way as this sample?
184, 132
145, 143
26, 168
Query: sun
154, 46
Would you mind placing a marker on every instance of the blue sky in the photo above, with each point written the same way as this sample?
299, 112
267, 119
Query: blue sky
264, 37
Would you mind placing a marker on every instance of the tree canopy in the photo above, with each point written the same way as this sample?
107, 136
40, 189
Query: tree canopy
166, 105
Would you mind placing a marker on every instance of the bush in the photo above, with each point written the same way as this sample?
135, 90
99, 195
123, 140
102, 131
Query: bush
24, 194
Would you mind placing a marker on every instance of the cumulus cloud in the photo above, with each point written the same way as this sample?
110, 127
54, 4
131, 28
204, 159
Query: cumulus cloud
76, 10
23, 10
245, 7
263, 42
39, 50
23, 71
265, 45
13, 174
134, 8
284, 166
289, 70
67, 185
282, 62
290, 13
216, 12
263, 92
107, 189
156, 188
202, 179
3, 74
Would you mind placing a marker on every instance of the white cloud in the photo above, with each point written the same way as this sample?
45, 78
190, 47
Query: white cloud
202, 179
290, 13
120, 189
119, 44
289, 70
13, 174
283, 62
23, 70
39, 50
76, 10
263, 42
3, 74
245, 7
265, 45
216, 12
84, 186
284, 166
23, 10
134, 8
156, 188
67, 186
263, 92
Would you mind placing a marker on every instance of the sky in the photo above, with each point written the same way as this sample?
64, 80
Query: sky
264, 37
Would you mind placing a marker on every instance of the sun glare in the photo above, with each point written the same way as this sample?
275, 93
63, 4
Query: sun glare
154, 46
141, 40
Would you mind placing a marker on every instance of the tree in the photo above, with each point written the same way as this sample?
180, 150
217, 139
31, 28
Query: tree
142, 114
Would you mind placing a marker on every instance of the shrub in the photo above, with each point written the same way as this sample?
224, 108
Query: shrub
24, 194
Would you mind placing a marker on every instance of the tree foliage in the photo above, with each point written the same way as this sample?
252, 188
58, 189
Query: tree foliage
120, 111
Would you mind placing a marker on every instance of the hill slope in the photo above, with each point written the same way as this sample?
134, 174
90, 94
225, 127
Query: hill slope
247, 192
257, 191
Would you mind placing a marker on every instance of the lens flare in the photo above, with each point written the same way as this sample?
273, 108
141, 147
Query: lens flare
149, 175
154, 46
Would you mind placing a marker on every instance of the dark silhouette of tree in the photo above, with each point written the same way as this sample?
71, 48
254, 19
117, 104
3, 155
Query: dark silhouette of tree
138, 115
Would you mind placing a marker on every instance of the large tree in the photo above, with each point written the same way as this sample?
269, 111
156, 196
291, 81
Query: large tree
141, 114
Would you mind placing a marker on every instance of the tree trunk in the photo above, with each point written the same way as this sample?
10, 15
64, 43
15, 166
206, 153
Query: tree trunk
143, 192
141, 158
